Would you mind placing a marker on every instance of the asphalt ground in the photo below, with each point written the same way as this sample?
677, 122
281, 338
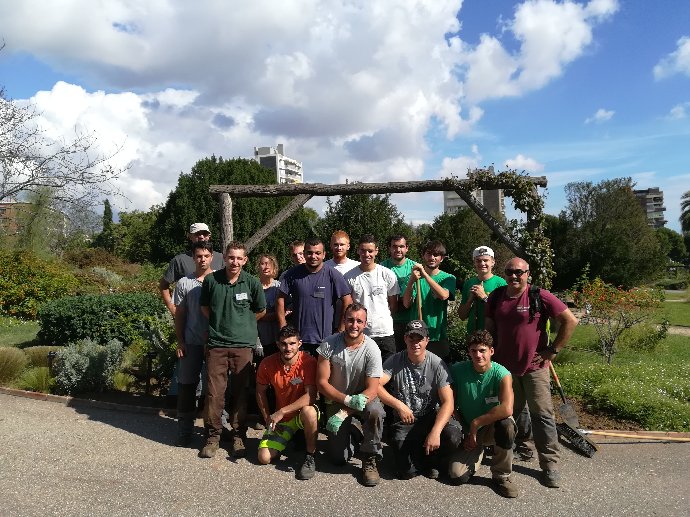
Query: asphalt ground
82, 460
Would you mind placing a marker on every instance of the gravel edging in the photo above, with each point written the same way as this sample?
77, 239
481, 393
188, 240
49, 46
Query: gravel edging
76, 401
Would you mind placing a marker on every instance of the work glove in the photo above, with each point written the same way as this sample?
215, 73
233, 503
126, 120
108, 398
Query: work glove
356, 402
334, 423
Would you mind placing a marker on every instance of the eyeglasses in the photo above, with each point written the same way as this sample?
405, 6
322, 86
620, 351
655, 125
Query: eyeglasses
516, 272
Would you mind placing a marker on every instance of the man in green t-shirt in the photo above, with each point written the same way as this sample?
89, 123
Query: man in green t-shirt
437, 289
232, 300
484, 405
476, 290
402, 267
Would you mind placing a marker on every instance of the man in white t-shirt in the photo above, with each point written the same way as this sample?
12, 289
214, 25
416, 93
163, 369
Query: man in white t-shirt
340, 245
375, 287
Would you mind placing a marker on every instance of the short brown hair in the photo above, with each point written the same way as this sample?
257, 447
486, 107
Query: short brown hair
480, 337
236, 245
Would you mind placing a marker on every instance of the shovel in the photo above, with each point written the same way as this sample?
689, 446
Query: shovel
566, 410
569, 427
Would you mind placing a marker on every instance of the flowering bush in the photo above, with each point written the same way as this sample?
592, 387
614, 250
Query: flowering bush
614, 311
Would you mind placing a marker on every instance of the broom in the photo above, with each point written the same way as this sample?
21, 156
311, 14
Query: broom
569, 427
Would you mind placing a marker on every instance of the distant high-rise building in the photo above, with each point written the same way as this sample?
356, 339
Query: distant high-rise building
288, 170
492, 200
652, 202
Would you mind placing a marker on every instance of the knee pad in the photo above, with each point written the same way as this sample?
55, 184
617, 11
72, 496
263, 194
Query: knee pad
504, 433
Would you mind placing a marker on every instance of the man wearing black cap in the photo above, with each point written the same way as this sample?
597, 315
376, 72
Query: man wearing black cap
416, 381
183, 264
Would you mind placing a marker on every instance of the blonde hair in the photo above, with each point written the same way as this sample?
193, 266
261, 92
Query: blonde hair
271, 259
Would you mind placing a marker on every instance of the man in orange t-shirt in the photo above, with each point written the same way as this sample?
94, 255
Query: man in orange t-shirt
292, 374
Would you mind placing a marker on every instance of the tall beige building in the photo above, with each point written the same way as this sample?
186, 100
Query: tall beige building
492, 200
288, 170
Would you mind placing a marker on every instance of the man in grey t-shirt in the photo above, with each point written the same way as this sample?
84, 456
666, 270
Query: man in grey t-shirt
416, 381
191, 328
347, 375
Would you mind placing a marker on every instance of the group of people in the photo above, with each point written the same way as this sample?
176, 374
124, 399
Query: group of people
357, 345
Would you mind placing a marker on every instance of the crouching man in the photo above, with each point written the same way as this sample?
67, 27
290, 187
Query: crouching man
484, 402
292, 374
348, 374
414, 382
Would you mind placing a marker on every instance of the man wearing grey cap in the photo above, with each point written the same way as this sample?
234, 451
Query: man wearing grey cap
414, 382
475, 290
183, 264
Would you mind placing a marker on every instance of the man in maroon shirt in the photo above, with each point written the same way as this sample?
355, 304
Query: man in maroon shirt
522, 346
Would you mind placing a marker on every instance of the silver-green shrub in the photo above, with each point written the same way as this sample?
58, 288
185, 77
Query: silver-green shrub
85, 366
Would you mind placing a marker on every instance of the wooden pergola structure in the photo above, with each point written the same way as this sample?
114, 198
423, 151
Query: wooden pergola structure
303, 192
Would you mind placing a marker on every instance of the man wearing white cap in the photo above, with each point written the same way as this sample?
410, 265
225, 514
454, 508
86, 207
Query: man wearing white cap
183, 264
475, 290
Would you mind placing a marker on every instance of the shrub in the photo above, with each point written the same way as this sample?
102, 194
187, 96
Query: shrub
644, 337
36, 379
125, 317
27, 281
110, 277
457, 336
12, 363
38, 355
123, 381
86, 366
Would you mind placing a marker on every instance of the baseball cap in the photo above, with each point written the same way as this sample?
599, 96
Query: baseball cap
199, 227
482, 250
417, 327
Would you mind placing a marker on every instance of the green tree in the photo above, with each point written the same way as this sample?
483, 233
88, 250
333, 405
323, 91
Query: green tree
40, 225
461, 233
191, 202
106, 239
361, 214
609, 232
672, 244
132, 235
685, 212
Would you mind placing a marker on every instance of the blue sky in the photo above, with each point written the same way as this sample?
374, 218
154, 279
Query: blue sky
356, 90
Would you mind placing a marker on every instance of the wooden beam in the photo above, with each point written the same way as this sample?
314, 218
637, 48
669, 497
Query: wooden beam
491, 222
271, 225
226, 229
393, 187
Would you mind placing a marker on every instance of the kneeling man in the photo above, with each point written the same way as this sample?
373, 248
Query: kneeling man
348, 374
416, 381
292, 374
484, 401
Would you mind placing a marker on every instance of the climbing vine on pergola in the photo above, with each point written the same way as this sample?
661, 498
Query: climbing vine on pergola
525, 239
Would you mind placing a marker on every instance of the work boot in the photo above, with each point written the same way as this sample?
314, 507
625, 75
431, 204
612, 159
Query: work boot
551, 478
209, 450
505, 487
370, 472
238, 448
308, 468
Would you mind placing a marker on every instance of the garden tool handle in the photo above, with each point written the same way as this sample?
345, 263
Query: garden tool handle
558, 383
419, 300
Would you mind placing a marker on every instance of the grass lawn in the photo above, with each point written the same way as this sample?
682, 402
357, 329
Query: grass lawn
14, 332
677, 296
651, 388
677, 313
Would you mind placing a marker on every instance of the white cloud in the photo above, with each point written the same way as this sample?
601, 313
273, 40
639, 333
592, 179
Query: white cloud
523, 163
679, 111
600, 116
677, 62
550, 34
459, 165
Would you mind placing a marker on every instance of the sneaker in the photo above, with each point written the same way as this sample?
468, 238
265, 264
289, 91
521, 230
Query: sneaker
505, 487
183, 440
370, 472
238, 449
551, 478
308, 468
523, 452
432, 473
209, 450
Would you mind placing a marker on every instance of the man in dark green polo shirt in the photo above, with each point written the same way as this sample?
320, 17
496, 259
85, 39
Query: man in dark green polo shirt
233, 300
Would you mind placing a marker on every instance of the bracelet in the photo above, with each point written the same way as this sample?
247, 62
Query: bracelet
485, 299
552, 351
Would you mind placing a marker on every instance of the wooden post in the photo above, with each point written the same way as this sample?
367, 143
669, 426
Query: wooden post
225, 220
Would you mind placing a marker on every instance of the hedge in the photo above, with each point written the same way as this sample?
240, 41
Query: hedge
102, 318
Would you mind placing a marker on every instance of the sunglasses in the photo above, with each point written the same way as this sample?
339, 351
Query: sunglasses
516, 272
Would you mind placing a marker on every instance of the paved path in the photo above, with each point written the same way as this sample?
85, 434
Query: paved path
81, 460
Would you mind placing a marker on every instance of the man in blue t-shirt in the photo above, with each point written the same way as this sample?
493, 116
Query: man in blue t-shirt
314, 289
484, 404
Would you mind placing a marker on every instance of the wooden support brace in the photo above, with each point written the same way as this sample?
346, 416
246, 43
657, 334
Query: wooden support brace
225, 220
287, 211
